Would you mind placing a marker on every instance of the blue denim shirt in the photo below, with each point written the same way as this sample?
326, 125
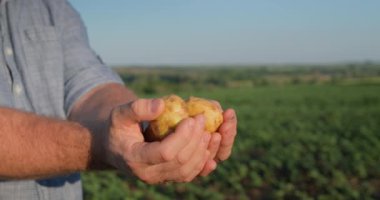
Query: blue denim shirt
46, 65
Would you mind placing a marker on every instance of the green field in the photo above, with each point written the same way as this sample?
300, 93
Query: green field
307, 132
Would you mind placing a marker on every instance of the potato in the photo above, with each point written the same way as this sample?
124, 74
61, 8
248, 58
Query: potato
212, 112
176, 109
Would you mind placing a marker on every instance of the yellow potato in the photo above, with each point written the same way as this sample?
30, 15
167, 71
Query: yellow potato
175, 112
176, 109
212, 112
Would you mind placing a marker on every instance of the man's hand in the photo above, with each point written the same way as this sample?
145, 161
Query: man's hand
221, 143
124, 143
180, 157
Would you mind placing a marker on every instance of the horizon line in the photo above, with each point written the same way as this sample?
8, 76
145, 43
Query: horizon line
180, 65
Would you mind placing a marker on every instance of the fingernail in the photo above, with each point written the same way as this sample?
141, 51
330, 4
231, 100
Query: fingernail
232, 116
155, 104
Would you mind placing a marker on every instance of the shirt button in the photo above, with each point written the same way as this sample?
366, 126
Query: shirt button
17, 89
8, 51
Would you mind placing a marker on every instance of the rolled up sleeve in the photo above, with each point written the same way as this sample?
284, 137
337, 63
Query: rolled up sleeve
83, 69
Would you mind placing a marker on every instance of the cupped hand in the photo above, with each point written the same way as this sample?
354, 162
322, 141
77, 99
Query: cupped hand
180, 157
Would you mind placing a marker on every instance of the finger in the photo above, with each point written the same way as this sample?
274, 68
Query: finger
199, 163
199, 168
138, 110
229, 127
181, 172
175, 142
196, 164
224, 153
228, 134
175, 171
193, 143
124, 119
208, 168
167, 149
214, 144
213, 148
228, 131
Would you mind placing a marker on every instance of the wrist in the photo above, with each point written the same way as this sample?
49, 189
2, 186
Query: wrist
98, 159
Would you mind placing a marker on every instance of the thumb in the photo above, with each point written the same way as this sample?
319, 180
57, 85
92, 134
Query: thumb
140, 110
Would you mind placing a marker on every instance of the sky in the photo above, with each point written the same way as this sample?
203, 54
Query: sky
185, 32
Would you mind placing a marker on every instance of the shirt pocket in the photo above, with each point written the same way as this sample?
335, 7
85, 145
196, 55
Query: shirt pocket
43, 73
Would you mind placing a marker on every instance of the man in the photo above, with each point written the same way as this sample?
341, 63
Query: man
62, 111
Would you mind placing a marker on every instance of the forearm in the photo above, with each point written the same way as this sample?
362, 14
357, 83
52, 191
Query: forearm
99, 102
33, 146
93, 110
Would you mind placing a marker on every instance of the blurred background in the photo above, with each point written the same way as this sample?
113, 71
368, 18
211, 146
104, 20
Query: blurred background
303, 76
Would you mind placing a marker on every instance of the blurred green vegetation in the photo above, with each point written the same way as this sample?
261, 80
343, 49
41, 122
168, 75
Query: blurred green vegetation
305, 132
